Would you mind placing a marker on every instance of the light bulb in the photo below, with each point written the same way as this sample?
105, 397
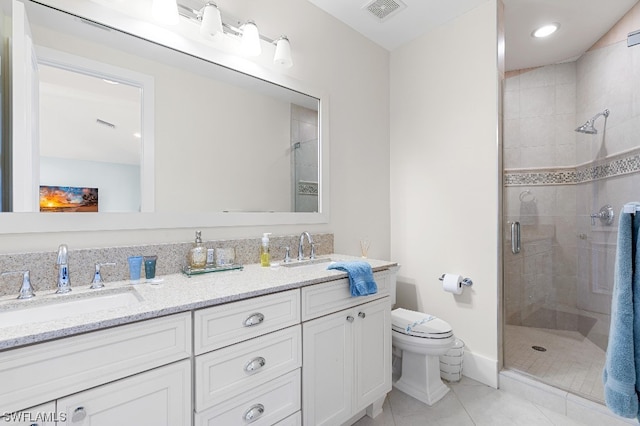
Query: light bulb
545, 30
251, 39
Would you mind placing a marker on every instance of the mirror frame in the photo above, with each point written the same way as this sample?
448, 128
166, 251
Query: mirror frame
13, 223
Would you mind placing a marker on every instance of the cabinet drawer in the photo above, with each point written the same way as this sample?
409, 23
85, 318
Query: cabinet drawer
333, 296
49, 370
231, 323
278, 399
223, 374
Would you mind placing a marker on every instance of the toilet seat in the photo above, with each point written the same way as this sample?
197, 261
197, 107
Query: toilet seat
418, 324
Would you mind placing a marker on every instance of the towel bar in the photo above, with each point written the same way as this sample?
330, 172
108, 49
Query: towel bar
631, 208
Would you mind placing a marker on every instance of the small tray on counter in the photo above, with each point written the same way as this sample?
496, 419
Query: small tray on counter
188, 271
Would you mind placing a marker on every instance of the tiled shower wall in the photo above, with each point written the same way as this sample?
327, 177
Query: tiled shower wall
555, 178
539, 118
304, 147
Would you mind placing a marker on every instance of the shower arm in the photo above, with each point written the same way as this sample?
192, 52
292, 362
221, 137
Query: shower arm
605, 113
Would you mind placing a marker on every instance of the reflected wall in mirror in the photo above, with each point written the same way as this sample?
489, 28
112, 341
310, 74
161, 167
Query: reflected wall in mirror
90, 135
222, 141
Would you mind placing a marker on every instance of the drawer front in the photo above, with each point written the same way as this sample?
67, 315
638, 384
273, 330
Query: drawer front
158, 397
50, 370
225, 373
268, 404
293, 420
333, 296
231, 323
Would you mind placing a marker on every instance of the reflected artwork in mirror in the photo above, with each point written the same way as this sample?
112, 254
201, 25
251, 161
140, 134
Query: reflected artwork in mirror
212, 140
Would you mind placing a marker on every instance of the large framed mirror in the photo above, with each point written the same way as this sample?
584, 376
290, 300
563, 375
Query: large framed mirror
226, 147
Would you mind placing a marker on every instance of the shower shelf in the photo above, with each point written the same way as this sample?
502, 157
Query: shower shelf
193, 271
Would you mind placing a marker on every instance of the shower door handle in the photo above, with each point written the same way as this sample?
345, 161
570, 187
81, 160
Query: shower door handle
515, 237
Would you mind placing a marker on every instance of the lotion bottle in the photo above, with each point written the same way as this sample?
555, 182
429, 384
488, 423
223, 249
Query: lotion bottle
197, 256
265, 257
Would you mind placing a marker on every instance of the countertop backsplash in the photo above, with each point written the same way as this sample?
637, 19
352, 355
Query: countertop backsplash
171, 259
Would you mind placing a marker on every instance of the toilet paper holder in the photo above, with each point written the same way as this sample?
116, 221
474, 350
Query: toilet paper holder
465, 281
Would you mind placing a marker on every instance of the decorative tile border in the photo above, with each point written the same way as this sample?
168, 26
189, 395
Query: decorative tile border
614, 165
307, 188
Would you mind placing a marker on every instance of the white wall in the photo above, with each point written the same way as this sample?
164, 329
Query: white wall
445, 181
118, 184
354, 72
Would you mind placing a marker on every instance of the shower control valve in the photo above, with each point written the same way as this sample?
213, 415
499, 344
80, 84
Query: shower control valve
605, 215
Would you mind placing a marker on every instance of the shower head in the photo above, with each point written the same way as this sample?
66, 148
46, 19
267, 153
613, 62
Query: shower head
588, 127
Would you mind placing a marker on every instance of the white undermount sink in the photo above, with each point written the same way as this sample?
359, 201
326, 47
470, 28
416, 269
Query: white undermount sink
61, 307
306, 262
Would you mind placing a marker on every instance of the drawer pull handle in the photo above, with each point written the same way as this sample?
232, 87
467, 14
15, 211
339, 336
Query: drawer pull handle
362, 315
78, 415
254, 319
350, 318
255, 364
254, 413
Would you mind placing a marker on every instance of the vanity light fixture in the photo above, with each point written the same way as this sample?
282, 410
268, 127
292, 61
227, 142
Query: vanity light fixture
214, 23
165, 11
545, 30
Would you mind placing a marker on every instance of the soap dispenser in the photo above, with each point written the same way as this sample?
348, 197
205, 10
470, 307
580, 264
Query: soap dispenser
197, 256
265, 258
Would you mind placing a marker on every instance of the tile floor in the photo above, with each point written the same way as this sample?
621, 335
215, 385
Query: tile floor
570, 362
472, 403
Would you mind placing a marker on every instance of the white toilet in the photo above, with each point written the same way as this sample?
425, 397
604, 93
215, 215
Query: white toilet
422, 338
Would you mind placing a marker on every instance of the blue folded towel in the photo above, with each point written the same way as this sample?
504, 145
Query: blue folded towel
621, 373
361, 281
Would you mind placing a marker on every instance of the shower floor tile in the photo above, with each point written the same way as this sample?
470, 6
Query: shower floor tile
571, 361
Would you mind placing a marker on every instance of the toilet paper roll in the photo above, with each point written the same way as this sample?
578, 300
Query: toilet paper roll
452, 283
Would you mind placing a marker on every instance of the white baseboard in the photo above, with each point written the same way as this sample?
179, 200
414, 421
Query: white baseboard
481, 369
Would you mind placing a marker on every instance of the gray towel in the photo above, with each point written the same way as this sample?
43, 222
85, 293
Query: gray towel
622, 365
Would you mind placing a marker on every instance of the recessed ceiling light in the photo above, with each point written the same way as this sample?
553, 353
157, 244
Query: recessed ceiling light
545, 30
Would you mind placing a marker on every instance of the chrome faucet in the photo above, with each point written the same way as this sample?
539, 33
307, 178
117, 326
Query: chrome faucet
98, 281
26, 291
64, 286
312, 255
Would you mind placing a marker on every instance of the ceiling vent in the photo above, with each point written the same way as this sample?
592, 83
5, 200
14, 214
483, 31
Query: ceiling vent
382, 10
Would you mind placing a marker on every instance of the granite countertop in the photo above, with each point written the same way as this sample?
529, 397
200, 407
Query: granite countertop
175, 293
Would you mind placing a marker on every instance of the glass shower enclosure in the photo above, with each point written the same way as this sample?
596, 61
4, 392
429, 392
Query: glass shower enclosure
571, 154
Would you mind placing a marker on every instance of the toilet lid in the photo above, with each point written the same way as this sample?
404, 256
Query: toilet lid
419, 324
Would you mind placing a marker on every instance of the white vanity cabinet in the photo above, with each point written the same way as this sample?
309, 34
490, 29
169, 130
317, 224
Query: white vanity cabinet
49, 371
347, 354
249, 354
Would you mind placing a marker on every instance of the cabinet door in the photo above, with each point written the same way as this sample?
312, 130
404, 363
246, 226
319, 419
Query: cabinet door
327, 373
42, 415
160, 397
372, 337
